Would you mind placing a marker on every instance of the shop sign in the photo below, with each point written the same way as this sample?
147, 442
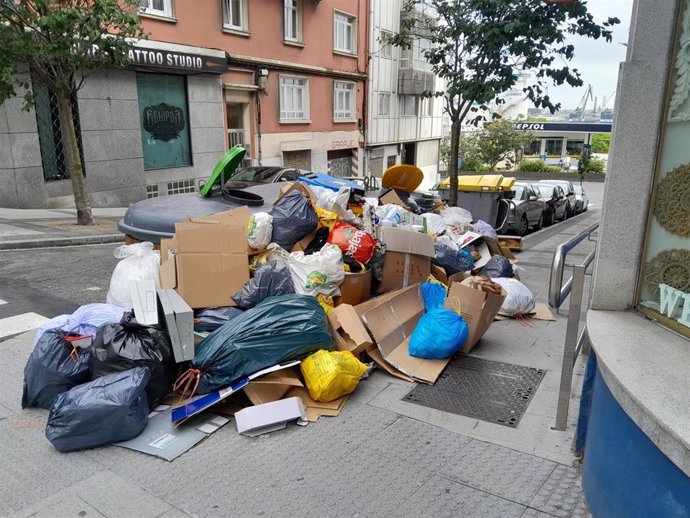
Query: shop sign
177, 60
163, 121
343, 144
670, 300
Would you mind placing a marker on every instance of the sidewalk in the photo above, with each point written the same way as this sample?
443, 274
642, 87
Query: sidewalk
33, 228
381, 457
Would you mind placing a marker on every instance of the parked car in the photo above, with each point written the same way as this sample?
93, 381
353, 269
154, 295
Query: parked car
569, 190
555, 201
368, 183
527, 209
257, 175
582, 199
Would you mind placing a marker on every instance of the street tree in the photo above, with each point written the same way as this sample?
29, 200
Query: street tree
499, 141
478, 46
601, 142
61, 43
468, 152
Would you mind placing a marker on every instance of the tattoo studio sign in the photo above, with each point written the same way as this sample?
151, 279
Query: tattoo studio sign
177, 60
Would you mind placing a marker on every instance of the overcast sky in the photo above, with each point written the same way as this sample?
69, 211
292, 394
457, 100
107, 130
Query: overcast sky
597, 60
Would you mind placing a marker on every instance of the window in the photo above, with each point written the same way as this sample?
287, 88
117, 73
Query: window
428, 106
344, 33
534, 148
235, 15
420, 48
292, 20
391, 161
574, 147
554, 147
408, 105
157, 7
164, 119
384, 104
386, 47
343, 101
288, 176
294, 99
53, 156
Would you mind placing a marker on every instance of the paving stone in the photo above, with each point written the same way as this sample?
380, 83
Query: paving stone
500, 471
440, 497
561, 495
533, 513
420, 445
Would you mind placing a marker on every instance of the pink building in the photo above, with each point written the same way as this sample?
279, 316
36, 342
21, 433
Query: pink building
294, 93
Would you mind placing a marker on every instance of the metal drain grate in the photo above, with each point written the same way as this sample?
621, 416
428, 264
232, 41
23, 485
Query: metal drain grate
491, 391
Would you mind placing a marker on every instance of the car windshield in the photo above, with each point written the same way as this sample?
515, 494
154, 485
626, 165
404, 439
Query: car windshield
578, 190
254, 174
545, 191
519, 191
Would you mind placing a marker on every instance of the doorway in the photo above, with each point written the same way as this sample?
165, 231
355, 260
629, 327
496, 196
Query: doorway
409, 153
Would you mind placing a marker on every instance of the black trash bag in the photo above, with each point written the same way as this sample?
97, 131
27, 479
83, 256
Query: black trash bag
293, 218
279, 329
271, 280
110, 409
498, 266
354, 265
316, 244
209, 319
54, 367
453, 260
128, 344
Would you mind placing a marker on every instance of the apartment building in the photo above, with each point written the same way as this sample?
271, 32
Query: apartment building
286, 79
402, 125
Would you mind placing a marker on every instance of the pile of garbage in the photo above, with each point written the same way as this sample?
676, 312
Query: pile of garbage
269, 317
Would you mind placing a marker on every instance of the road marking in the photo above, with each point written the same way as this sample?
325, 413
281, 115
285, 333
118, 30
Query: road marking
2, 302
20, 323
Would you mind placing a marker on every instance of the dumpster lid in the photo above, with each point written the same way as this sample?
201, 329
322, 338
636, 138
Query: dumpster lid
481, 182
225, 167
402, 177
507, 183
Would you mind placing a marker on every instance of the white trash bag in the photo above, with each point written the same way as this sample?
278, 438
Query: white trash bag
456, 216
330, 200
85, 321
519, 300
140, 262
435, 223
321, 272
260, 230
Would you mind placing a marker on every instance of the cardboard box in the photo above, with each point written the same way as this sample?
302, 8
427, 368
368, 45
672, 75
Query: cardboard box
391, 324
348, 330
210, 261
269, 417
299, 187
273, 386
478, 309
178, 321
236, 217
391, 197
355, 289
407, 260
439, 274
144, 301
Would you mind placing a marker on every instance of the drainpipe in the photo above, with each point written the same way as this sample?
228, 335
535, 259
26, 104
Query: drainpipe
257, 97
365, 94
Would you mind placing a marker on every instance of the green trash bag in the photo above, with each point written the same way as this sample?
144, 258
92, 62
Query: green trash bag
277, 330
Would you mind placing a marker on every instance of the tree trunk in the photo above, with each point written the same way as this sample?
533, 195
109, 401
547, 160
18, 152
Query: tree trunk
453, 166
73, 159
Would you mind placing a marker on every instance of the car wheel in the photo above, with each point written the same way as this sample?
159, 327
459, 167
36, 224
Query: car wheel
585, 208
523, 227
540, 223
565, 214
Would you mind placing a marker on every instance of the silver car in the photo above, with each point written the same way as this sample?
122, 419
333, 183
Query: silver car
581, 198
526, 209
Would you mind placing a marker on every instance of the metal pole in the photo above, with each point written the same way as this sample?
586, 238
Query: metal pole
571, 338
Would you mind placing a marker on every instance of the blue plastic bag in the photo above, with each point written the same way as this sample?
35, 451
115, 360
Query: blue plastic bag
438, 335
434, 295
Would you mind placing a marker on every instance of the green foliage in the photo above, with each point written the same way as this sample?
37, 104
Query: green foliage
468, 151
477, 46
596, 165
601, 142
552, 169
499, 141
64, 41
531, 166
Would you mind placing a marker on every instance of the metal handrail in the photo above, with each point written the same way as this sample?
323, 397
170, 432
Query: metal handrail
558, 291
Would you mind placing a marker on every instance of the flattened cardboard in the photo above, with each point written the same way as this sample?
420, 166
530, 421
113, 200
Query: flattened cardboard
391, 197
362, 308
269, 417
203, 402
167, 274
407, 241
376, 356
348, 330
299, 187
209, 279
391, 324
236, 217
541, 312
478, 310
272, 386
161, 438
316, 409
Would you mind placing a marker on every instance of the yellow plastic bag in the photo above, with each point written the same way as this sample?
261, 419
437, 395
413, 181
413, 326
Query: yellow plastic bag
326, 303
326, 218
330, 375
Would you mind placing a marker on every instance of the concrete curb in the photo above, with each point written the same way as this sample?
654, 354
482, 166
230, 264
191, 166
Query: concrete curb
50, 242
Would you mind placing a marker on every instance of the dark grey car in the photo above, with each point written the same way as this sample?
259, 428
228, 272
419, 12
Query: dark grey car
526, 209
569, 190
556, 204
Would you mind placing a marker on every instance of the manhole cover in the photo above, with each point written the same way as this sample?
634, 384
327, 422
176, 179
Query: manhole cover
491, 391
